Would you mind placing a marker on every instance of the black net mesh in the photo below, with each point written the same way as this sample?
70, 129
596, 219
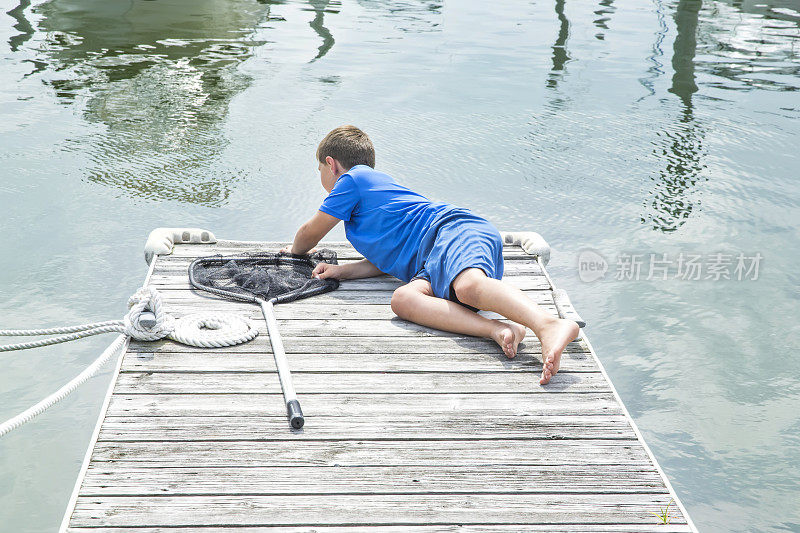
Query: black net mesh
269, 276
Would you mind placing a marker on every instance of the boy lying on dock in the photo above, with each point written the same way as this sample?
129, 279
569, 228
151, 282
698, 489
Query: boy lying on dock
450, 258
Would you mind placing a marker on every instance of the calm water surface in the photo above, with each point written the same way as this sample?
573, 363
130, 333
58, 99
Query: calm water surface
620, 126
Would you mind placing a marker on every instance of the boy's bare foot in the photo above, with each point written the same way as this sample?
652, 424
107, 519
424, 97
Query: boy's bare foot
508, 336
554, 338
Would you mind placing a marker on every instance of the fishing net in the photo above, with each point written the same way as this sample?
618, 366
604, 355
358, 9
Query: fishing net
267, 279
275, 277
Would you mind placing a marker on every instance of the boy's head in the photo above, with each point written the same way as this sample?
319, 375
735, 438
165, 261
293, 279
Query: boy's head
342, 149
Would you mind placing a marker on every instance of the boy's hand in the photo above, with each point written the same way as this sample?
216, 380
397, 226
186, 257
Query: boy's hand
288, 250
326, 270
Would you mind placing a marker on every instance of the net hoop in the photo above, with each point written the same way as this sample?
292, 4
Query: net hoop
276, 259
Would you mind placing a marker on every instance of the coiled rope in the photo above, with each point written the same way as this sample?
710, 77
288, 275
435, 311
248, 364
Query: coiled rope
211, 330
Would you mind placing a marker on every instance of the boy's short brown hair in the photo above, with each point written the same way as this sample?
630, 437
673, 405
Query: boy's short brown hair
349, 146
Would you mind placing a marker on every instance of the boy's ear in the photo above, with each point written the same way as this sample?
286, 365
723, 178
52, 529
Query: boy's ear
336, 167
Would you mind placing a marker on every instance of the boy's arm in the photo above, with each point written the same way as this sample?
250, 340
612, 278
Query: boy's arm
312, 232
361, 269
357, 270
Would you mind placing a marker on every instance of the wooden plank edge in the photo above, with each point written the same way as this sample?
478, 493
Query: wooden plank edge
347, 510
509, 528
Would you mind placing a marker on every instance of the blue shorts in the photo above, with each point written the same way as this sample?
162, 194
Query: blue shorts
462, 243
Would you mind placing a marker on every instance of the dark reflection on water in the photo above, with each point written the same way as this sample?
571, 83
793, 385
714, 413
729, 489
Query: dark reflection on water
22, 25
670, 203
754, 53
159, 76
685, 49
604, 13
735, 54
318, 25
560, 54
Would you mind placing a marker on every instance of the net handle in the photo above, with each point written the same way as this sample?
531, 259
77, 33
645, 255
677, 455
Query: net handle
293, 411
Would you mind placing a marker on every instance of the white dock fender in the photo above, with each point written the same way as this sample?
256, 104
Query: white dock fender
530, 241
161, 240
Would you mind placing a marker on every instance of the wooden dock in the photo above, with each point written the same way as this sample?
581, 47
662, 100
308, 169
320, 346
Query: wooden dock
407, 429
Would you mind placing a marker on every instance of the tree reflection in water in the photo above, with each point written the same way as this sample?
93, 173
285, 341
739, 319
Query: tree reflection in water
321, 7
560, 53
158, 77
670, 204
604, 13
22, 25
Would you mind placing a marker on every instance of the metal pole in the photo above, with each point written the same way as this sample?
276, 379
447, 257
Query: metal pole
293, 411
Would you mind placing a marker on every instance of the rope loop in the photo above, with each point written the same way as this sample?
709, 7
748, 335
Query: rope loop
213, 330
144, 299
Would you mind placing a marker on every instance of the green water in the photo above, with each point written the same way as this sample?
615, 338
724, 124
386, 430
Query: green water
620, 126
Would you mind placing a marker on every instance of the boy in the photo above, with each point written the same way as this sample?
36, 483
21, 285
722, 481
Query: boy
451, 259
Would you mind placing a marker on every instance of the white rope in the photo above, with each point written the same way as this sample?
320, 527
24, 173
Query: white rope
117, 327
28, 414
214, 330
54, 331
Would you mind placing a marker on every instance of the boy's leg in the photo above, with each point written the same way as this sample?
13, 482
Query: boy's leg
415, 302
474, 288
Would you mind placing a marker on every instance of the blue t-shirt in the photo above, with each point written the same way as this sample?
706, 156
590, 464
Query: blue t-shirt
390, 225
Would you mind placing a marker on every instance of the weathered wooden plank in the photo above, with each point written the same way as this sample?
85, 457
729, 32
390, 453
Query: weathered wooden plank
179, 266
335, 298
366, 383
217, 360
364, 404
431, 453
176, 266
512, 528
307, 311
395, 327
379, 509
458, 426
362, 345
103, 479
180, 281
356, 328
